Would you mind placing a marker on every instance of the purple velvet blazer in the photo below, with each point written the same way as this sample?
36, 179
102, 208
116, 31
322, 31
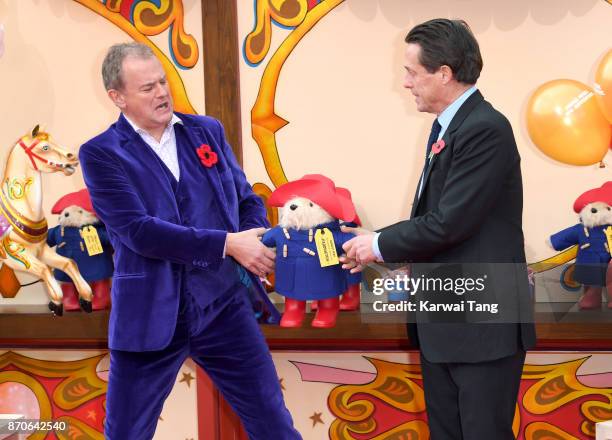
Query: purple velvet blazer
158, 246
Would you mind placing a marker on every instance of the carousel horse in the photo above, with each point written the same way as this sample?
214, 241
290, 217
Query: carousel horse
23, 226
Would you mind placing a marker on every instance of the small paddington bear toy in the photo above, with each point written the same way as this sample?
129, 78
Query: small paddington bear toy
308, 241
80, 236
593, 235
351, 298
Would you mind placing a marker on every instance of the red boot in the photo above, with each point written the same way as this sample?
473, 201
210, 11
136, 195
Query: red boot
294, 313
71, 297
101, 294
327, 313
591, 299
349, 302
351, 298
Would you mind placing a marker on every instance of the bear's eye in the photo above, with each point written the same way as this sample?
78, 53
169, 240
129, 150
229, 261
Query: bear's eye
80, 211
66, 214
311, 205
609, 209
594, 210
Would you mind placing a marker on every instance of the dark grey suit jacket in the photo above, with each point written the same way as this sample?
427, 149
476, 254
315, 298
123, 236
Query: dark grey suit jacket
468, 222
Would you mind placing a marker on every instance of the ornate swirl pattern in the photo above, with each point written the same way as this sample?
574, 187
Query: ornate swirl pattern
132, 17
65, 390
553, 404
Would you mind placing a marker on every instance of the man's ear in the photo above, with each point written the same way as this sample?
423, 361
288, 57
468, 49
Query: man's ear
447, 73
117, 98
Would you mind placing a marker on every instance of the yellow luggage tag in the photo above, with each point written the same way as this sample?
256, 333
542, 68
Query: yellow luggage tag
92, 240
608, 232
326, 247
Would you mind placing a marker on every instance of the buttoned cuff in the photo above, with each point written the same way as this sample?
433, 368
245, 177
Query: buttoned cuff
208, 257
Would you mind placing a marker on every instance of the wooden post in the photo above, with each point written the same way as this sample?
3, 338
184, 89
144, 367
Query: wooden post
220, 51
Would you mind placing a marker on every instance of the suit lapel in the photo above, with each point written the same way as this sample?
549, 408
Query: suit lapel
419, 195
456, 122
196, 136
131, 142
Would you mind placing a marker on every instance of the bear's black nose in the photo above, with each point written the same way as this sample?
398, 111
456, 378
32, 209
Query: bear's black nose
594, 210
66, 214
293, 207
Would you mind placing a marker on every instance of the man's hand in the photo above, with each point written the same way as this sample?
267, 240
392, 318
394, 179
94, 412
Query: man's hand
358, 250
350, 264
248, 250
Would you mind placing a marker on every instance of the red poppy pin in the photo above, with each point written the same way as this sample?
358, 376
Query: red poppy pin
436, 148
207, 156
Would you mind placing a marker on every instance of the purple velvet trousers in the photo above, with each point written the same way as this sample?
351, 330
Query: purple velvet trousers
225, 340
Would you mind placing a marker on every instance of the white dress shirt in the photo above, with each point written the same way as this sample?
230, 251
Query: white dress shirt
166, 147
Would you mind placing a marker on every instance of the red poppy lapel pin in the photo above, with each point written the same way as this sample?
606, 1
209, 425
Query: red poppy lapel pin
436, 148
207, 156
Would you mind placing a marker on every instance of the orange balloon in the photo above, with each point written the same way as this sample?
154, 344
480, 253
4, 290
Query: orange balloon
565, 123
603, 78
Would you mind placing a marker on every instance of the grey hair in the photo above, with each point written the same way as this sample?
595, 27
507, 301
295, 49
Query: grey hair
111, 66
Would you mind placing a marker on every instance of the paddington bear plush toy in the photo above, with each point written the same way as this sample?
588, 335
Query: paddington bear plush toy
308, 241
593, 235
351, 298
80, 236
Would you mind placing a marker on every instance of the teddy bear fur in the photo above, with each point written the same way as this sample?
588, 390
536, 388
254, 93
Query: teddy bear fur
593, 266
96, 270
298, 274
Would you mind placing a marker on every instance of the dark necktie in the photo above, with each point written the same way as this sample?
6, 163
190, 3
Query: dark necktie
433, 137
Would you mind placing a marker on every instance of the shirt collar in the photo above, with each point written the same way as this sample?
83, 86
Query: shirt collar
175, 120
449, 112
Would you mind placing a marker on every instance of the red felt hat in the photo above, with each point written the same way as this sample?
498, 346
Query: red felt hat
347, 194
319, 189
78, 198
601, 194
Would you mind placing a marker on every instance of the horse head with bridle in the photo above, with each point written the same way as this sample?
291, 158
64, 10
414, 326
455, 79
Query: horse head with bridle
23, 226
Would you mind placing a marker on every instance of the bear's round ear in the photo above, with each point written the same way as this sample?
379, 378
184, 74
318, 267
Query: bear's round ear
35, 130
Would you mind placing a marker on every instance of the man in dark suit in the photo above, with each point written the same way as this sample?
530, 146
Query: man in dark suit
466, 220
181, 217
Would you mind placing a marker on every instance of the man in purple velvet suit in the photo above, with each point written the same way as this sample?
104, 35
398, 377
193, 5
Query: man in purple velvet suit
181, 217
